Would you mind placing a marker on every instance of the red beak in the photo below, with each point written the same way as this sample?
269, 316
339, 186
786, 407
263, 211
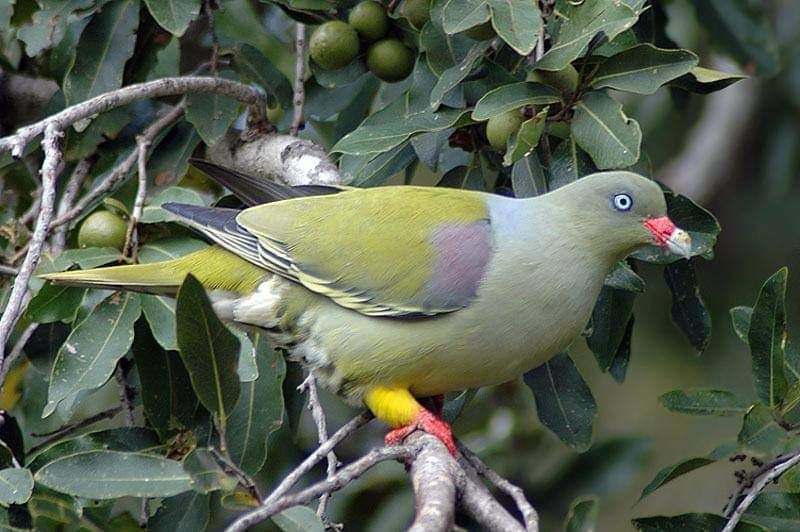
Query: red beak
667, 235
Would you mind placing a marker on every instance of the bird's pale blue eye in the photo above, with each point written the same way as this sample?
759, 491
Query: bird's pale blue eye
623, 202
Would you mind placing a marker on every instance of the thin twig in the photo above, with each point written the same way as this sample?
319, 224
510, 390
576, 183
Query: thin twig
124, 394
318, 413
131, 248
30, 213
79, 174
299, 77
71, 428
208, 7
8, 270
16, 351
515, 492
777, 469
342, 478
121, 171
50, 168
245, 480
140, 91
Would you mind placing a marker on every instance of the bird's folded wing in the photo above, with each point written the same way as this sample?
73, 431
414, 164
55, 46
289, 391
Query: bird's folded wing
390, 251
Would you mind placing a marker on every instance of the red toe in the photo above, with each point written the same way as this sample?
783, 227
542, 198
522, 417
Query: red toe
437, 427
396, 436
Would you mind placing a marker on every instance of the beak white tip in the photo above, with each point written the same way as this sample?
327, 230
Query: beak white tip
680, 243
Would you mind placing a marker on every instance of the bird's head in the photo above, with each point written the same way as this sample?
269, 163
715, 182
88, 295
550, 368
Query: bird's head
622, 211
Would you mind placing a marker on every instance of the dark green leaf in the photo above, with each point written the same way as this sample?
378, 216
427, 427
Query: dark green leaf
160, 314
582, 22
582, 515
643, 69
688, 311
169, 160
467, 177
16, 486
525, 140
461, 15
609, 322
84, 258
89, 355
760, 433
602, 130
104, 47
777, 512
370, 170
513, 96
527, 177
563, 401
259, 411
174, 15
252, 64
740, 318
48, 25
704, 80
454, 406
49, 509
187, 512
441, 50
110, 474
456, 73
767, 336
622, 277
55, 303
790, 407
169, 248
672, 472
206, 472
569, 163
689, 523
299, 519
517, 22
703, 402
212, 114
208, 349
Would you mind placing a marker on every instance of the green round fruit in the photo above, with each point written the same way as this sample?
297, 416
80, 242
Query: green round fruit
334, 45
481, 32
369, 20
102, 229
499, 128
418, 12
564, 80
274, 114
558, 129
390, 60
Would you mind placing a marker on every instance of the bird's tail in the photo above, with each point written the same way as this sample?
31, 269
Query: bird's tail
214, 267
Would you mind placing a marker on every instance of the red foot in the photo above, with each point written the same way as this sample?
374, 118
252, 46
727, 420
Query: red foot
429, 423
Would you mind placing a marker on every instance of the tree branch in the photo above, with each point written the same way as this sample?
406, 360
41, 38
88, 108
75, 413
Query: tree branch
481, 505
140, 91
50, 169
435, 476
71, 428
131, 248
79, 174
317, 412
299, 77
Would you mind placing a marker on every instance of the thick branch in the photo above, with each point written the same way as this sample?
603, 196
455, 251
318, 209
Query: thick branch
281, 158
151, 89
50, 168
436, 477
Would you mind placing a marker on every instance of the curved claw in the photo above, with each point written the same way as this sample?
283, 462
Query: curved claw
428, 422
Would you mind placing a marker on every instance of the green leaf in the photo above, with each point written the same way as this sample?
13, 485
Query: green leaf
299, 519
761, 434
187, 512
252, 64
622, 277
48, 25
111, 474
740, 318
84, 258
517, 22
208, 349
153, 213
777, 512
370, 170
259, 411
670, 473
104, 47
513, 96
49, 509
610, 319
453, 406
582, 21
454, 75
688, 311
705, 80
643, 69
16, 486
206, 472
461, 15
767, 337
703, 402
527, 177
89, 355
525, 140
602, 130
169, 160
790, 408
582, 515
469, 177
441, 50
212, 114
169, 248
743, 29
167, 396
689, 523
568, 163
174, 15
563, 401
55, 303
160, 314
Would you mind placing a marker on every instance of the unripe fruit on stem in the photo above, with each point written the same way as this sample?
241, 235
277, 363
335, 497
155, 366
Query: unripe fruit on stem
334, 45
418, 12
481, 32
102, 229
499, 128
369, 19
390, 60
564, 81
274, 114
